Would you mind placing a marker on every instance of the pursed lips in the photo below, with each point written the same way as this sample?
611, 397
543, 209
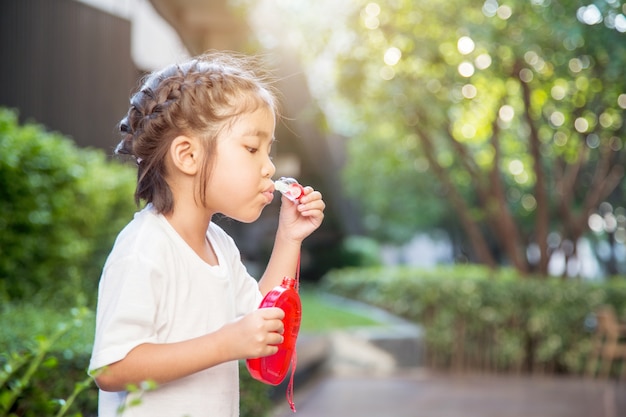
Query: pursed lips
269, 194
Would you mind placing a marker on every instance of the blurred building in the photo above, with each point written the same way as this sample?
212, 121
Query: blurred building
67, 66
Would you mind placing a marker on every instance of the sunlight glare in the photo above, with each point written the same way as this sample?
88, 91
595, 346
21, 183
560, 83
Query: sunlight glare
465, 45
469, 91
516, 167
557, 118
620, 23
596, 223
490, 8
557, 92
370, 16
483, 61
526, 75
392, 56
606, 120
506, 113
581, 124
466, 69
575, 65
589, 15
372, 9
504, 12
610, 223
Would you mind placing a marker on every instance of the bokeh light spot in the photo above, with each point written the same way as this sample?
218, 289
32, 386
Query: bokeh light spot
466, 69
482, 61
465, 45
392, 56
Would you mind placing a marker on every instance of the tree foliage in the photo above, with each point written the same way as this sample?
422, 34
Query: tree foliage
510, 112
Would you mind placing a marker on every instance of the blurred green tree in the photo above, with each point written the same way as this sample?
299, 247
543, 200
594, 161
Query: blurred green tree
504, 119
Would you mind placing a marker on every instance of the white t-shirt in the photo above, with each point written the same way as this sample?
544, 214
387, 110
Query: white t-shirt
156, 289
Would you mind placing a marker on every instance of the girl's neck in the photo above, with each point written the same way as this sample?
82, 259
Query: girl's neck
192, 226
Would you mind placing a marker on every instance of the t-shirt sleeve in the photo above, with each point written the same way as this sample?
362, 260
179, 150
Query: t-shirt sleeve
127, 303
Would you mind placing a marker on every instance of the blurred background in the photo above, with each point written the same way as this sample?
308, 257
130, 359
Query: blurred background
471, 154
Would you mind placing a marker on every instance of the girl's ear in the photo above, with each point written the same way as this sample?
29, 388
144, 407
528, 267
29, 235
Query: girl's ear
185, 153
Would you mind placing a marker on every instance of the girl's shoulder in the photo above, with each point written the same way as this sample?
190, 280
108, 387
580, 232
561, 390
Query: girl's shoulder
145, 223
147, 234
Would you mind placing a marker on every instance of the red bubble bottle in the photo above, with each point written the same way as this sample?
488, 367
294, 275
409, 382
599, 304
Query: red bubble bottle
273, 369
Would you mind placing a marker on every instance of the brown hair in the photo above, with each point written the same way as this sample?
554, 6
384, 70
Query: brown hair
198, 98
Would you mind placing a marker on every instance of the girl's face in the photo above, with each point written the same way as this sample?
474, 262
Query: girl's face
240, 184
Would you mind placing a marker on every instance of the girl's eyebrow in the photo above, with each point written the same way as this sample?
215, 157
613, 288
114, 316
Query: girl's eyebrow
261, 134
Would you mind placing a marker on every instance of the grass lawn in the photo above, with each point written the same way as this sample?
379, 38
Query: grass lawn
320, 314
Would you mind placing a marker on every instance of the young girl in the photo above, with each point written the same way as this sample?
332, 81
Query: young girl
176, 305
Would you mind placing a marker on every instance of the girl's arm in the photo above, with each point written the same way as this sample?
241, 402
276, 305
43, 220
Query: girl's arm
296, 222
256, 334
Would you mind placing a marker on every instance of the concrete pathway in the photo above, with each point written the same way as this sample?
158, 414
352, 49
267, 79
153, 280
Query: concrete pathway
417, 393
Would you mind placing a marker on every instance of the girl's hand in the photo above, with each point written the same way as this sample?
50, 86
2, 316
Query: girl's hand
256, 334
298, 220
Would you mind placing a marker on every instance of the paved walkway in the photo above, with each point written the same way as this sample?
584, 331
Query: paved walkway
417, 393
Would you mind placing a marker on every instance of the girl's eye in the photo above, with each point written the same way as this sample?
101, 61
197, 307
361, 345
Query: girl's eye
251, 149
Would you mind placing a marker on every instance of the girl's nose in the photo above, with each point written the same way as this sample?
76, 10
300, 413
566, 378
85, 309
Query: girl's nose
269, 169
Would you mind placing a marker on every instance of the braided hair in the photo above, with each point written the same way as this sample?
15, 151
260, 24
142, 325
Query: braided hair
200, 97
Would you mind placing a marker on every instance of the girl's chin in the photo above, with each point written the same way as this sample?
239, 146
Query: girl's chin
247, 218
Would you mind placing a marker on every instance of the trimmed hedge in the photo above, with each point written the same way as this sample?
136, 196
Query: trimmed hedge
478, 319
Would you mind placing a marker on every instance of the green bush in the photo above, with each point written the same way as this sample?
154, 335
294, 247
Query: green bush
46, 375
43, 370
60, 209
474, 318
